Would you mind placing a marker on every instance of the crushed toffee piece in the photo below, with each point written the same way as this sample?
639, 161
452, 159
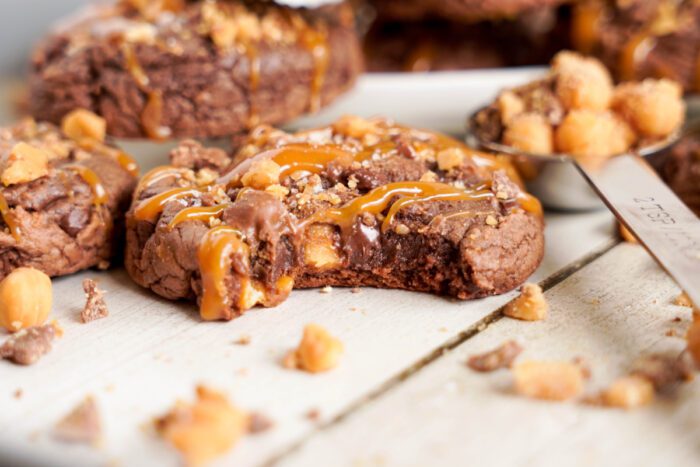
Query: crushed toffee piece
317, 352
204, 429
531, 305
555, 381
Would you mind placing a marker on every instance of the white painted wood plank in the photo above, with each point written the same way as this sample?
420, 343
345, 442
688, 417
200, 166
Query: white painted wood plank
150, 352
611, 312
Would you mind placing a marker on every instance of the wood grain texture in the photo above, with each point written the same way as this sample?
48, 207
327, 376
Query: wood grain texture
150, 352
610, 313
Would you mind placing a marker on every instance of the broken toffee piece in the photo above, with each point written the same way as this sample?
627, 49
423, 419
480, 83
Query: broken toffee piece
195, 68
63, 195
362, 202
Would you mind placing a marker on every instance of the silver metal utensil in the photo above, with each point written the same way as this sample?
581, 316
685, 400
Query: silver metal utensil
634, 193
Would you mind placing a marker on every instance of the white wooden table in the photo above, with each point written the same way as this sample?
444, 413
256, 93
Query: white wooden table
401, 396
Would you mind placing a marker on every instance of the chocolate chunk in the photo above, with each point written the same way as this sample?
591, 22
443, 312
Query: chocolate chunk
500, 357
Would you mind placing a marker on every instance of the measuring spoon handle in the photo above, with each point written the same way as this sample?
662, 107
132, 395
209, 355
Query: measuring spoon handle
666, 227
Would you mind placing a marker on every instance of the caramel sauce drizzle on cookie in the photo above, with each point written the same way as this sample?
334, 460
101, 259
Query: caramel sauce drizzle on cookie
9, 218
158, 174
585, 27
198, 213
152, 114
99, 194
222, 251
128, 163
635, 51
378, 200
316, 42
150, 208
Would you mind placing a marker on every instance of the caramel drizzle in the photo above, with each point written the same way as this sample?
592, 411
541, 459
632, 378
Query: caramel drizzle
220, 247
149, 209
9, 218
636, 50
307, 158
317, 44
99, 194
254, 63
152, 114
378, 200
157, 174
198, 213
128, 163
585, 26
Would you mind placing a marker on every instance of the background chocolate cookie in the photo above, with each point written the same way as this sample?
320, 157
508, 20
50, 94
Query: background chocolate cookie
641, 38
63, 195
462, 10
168, 69
440, 44
681, 170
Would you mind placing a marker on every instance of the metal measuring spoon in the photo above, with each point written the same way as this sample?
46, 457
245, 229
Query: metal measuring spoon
634, 193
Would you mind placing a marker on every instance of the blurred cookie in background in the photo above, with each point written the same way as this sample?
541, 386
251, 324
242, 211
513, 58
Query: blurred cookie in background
165, 69
641, 38
438, 44
459, 10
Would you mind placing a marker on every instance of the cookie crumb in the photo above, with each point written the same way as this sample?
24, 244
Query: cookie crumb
326, 289
27, 346
259, 423
80, 425
629, 392
554, 381
500, 357
204, 429
531, 305
318, 351
313, 414
18, 393
95, 306
355, 290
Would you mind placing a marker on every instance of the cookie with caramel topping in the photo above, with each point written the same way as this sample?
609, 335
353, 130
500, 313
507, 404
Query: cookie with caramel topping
63, 195
345, 205
175, 68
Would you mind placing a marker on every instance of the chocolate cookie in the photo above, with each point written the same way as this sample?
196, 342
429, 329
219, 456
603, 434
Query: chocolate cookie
460, 10
681, 170
63, 195
642, 38
174, 68
433, 45
362, 202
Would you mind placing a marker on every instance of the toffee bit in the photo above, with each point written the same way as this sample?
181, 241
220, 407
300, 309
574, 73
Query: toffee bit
81, 425
531, 305
27, 346
501, 357
95, 306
